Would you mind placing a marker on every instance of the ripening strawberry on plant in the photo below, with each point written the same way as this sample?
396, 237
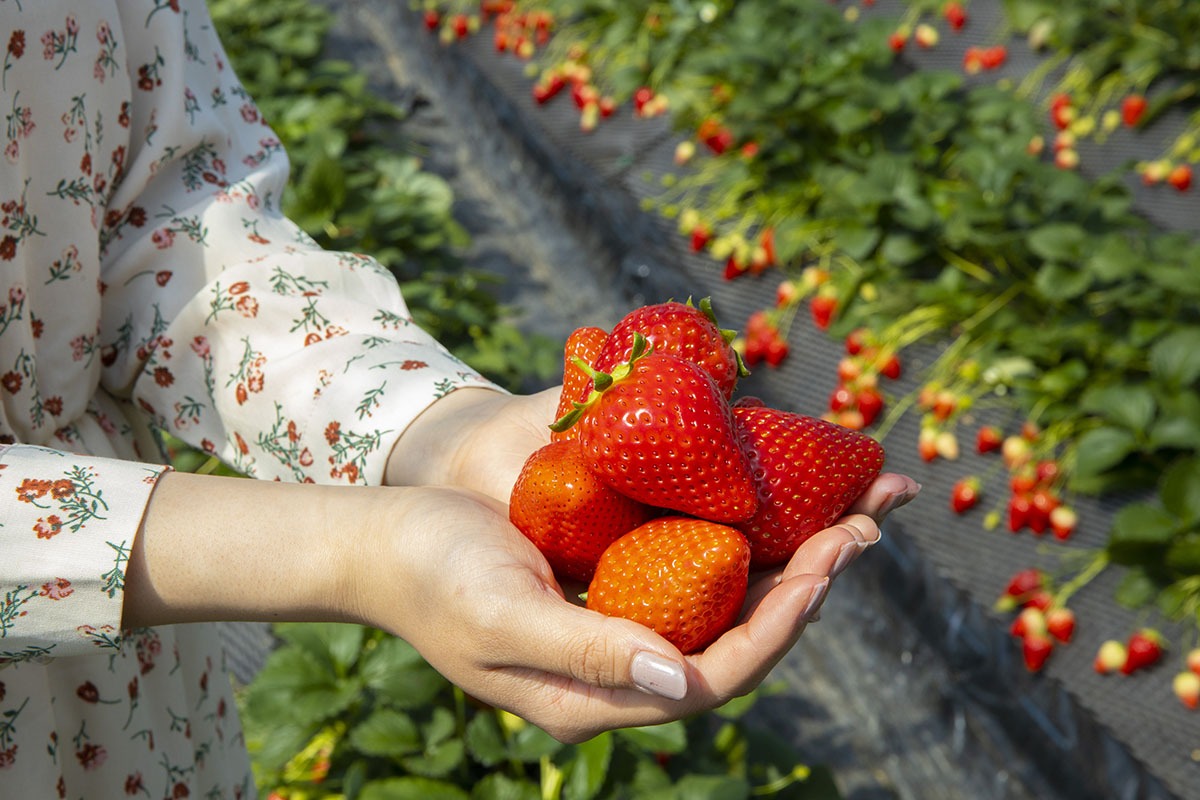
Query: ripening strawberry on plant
1143, 650
988, 439
1021, 587
955, 15
1109, 657
1186, 686
965, 494
1180, 177
1060, 623
1133, 108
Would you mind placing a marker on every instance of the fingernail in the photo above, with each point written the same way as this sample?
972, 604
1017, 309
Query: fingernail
657, 675
848, 552
901, 498
814, 600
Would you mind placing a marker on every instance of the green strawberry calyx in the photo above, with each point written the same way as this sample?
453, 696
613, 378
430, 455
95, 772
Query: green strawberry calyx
601, 381
728, 334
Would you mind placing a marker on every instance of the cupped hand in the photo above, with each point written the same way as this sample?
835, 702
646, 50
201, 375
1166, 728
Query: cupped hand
481, 604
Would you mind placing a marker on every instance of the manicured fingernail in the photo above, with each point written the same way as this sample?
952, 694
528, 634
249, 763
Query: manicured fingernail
901, 498
848, 552
657, 675
814, 600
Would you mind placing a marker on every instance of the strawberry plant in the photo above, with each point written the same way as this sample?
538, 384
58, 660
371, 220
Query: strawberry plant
341, 711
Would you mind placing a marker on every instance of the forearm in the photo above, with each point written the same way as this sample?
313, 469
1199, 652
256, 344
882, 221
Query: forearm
216, 548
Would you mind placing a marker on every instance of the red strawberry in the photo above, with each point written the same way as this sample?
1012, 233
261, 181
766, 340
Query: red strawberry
1132, 109
684, 578
823, 308
1035, 650
659, 430
1025, 582
1180, 177
1060, 623
564, 509
965, 494
808, 471
1144, 649
583, 343
679, 329
1062, 521
988, 439
955, 14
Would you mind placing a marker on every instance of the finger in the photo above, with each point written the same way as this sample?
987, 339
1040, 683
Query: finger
741, 659
827, 552
555, 637
886, 493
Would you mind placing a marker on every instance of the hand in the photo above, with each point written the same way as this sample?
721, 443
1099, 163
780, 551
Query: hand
475, 439
481, 604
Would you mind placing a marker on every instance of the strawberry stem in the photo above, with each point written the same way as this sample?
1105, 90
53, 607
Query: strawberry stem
601, 381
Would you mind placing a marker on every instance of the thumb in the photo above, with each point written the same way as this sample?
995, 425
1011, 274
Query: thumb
562, 639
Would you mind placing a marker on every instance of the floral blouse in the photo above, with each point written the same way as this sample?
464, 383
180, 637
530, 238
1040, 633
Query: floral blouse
148, 283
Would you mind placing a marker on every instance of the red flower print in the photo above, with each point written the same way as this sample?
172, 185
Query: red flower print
48, 527
137, 214
11, 381
162, 276
8, 757
133, 784
333, 432
163, 377
207, 446
133, 688
36, 326
3, 691
241, 443
293, 434
53, 405
8, 248
61, 489
351, 473
200, 346
32, 488
163, 238
123, 117
108, 355
306, 458
85, 164
57, 589
91, 756
247, 306
16, 44
241, 394
248, 111
312, 338
88, 693
181, 790
413, 364
255, 382
241, 287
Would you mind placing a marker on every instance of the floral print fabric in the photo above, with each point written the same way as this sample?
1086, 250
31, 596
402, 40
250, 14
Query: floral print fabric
148, 282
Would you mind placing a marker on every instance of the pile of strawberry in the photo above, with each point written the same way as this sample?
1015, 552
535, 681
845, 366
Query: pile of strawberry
661, 491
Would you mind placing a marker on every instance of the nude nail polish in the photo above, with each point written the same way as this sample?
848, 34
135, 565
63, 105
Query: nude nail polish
657, 675
814, 601
848, 552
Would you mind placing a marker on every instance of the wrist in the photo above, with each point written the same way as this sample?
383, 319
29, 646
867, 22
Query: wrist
435, 448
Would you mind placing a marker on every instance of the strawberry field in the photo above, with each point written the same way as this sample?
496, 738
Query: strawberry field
965, 228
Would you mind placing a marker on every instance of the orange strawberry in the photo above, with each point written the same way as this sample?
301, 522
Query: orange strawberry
679, 329
659, 430
564, 509
684, 578
807, 472
583, 343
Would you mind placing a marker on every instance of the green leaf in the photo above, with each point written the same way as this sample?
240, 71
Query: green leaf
1113, 259
1058, 241
1183, 555
334, 643
712, 787
1179, 490
485, 742
1101, 449
1057, 282
412, 789
1175, 359
498, 786
588, 768
530, 743
438, 760
294, 685
398, 672
387, 732
1136, 589
1178, 424
670, 737
1129, 406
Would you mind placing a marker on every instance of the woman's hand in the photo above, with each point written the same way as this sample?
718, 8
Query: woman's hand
450, 575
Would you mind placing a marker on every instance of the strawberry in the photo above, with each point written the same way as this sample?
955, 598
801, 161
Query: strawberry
583, 343
563, 508
1193, 660
1030, 622
684, 578
807, 470
1186, 686
955, 14
1060, 623
988, 439
1180, 177
1021, 587
1144, 649
679, 329
1109, 658
1062, 522
659, 429
965, 494
1132, 109
823, 307
1035, 650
